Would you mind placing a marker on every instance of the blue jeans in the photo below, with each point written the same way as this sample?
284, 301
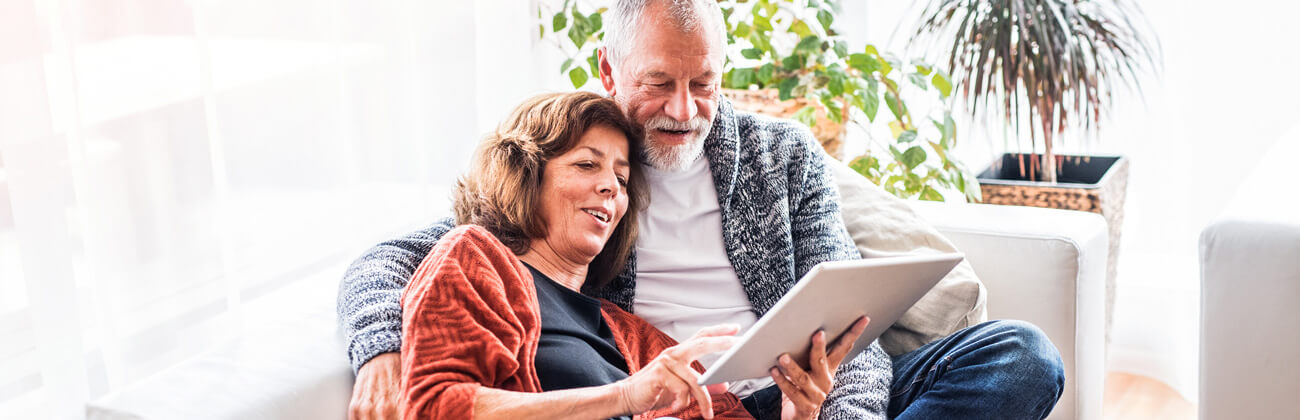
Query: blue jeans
994, 370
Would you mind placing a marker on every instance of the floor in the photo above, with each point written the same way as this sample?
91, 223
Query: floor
1133, 397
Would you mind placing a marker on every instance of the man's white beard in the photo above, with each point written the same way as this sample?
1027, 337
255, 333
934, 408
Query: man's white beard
675, 158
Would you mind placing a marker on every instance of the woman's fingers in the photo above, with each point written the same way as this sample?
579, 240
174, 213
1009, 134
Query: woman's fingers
679, 380
716, 330
698, 346
678, 393
689, 378
845, 341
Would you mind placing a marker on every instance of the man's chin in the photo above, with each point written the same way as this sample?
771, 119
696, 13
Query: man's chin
673, 158
670, 139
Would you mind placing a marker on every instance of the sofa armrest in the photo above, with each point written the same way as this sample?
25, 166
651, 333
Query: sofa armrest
294, 369
1250, 279
1047, 267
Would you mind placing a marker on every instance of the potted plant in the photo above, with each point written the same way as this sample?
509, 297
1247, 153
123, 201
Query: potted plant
1046, 68
786, 59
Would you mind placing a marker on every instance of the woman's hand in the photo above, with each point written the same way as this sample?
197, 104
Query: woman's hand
669, 380
378, 386
804, 391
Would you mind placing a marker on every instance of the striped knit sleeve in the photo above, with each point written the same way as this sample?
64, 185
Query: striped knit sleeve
817, 229
861, 388
369, 300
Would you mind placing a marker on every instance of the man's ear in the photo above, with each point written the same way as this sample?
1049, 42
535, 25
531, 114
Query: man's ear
606, 71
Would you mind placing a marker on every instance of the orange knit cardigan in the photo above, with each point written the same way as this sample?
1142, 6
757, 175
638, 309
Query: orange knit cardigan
470, 319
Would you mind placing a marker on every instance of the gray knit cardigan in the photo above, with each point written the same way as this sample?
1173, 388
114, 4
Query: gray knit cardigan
780, 217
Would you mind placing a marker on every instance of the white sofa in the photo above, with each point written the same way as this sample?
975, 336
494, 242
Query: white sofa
1250, 285
1039, 265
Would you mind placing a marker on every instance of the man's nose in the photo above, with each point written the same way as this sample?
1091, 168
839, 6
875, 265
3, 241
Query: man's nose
681, 106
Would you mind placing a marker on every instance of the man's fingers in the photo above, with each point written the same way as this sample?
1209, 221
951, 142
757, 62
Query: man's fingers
845, 341
817, 360
794, 372
789, 389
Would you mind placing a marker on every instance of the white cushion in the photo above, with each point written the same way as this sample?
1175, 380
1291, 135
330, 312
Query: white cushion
883, 225
294, 370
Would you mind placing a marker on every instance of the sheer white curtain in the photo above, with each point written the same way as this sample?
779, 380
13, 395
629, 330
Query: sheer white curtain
167, 165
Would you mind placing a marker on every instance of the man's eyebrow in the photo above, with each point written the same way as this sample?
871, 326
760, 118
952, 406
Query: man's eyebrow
657, 74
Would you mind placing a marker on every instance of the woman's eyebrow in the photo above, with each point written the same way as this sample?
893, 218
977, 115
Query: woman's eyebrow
600, 154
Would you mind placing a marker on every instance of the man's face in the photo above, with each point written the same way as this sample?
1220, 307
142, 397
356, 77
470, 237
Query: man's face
668, 83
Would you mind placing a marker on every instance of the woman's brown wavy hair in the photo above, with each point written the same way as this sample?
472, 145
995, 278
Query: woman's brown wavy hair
502, 191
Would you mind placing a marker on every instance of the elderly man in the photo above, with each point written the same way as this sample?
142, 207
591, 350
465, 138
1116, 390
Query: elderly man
741, 207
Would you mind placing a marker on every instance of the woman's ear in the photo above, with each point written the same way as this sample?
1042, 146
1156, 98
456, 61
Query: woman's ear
606, 71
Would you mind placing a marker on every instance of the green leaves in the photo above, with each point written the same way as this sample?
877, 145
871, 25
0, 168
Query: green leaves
824, 16
913, 157
786, 88
583, 26
930, 194
765, 74
742, 30
578, 77
800, 28
808, 44
871, 99
895, 104
864, 63
741, 78
822, 70
907, 136
559, 22
917, 79
806, 115
792, 63
941, 82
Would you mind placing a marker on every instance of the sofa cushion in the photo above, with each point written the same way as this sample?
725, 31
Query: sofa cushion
291, 368
884, 225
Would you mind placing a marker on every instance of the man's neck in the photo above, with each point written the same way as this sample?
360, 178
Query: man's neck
561, 270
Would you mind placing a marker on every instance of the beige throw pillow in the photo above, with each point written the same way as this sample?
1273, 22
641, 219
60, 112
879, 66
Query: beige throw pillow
884, 225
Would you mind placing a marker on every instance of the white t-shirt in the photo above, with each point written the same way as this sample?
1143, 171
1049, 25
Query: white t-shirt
684, 279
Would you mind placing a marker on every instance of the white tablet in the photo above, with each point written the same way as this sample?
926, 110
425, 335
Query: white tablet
831, 296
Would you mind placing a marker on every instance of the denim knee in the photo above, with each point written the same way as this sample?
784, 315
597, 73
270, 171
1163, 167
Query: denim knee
1037, 361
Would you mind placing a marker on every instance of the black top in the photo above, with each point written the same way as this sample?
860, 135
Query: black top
576, 348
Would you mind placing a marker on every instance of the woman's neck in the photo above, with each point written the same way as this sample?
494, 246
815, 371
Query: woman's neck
562, 270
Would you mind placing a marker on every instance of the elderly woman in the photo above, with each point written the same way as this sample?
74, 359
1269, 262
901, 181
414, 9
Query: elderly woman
494, 321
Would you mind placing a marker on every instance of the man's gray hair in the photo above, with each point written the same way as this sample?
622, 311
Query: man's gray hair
625, 19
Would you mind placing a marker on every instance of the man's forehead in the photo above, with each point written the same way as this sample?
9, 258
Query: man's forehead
671, 66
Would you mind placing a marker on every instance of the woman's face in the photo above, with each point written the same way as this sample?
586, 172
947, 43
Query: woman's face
584, 193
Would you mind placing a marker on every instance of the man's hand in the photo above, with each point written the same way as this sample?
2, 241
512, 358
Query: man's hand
378, 387
669, 380
803, 392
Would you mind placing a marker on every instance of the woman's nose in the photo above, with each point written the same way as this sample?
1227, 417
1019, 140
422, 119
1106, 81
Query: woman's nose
607, 185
